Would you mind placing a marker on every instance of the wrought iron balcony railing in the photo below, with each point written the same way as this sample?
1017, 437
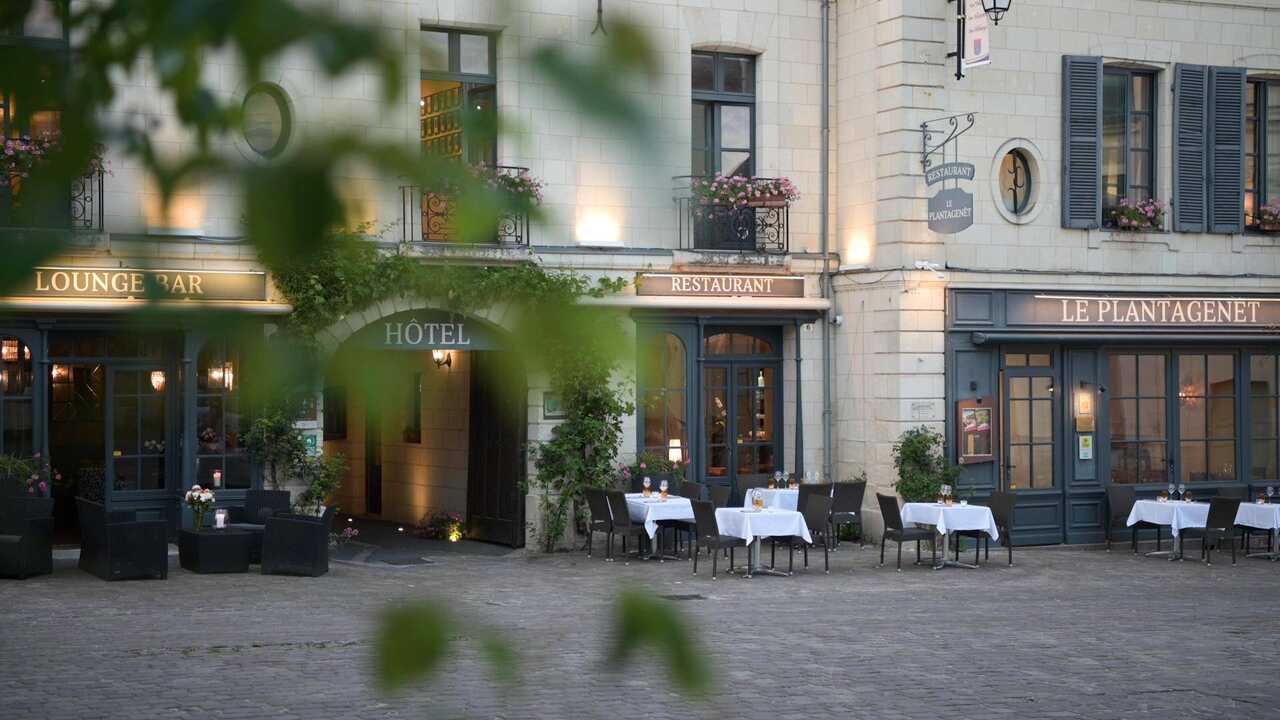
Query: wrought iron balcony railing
762, 226
427, 215
80, 210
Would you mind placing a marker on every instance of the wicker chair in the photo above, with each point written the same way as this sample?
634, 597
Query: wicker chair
893, 530
1219, 526
297, 544
601, 521
846, 504
707, 535
1120, 500
621, 523
258, 506
26, 536
116, 545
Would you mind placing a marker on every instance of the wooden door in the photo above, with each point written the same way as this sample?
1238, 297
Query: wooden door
372, 459
496, 463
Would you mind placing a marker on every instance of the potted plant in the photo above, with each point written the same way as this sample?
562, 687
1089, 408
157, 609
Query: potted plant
442, 525
28, 476
1138, 215
1269, 218
653, 466
275, 444
519, 185
322, 474
738, 191
922, 468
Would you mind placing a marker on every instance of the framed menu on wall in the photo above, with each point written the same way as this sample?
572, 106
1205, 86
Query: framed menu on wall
975, 430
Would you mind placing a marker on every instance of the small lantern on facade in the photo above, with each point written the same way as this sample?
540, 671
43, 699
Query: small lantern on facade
60, 373
217, 478
441, 358
996, 9
674, 452
157, 380
9, 350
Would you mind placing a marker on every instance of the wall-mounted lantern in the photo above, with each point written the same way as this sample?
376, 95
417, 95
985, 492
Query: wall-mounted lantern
441, 358
996, 9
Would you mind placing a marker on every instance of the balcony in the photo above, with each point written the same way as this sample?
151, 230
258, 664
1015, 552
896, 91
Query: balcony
80, 210
427, 215
756, 223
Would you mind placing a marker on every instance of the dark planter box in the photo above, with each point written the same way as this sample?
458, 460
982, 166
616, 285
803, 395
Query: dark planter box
297, 544
117, 546
215, 551
26, 536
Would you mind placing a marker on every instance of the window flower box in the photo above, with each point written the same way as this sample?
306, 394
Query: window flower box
1138, 215
1269, 218
737, 191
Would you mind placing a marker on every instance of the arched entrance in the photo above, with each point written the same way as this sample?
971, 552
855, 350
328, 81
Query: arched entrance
430, 409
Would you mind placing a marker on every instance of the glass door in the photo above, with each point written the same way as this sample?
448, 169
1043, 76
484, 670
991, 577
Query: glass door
740, 407
137, 431
1030, 446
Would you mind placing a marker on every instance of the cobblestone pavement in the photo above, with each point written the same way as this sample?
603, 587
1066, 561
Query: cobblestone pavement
1065, 633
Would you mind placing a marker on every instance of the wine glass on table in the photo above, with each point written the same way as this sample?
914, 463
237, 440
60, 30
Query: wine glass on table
1271, 491
1170, 490
1182, 490
645, 484
662, 488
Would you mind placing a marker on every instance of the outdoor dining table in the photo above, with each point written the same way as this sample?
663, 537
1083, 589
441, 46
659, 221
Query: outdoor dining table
650, 510
754, 525
947, 519
781, 498
1179, 514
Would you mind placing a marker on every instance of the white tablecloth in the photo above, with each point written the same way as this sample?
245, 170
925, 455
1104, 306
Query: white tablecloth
1260, 517
781, 498
1177, 514
770, 522
652, 509
950, 518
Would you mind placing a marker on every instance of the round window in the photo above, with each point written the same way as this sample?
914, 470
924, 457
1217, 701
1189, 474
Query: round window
267, 119
1015, 182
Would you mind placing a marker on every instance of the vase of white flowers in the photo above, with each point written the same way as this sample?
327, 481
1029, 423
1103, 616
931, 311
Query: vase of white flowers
200, 500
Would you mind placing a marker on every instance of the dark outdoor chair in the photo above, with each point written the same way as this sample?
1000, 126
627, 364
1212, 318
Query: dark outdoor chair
707, 535
621, 524
116, 545
816, 510
258, 506
1237, 493
297, 544
600, 520
1120, 499
26, 536
692, 490
1219, 526
846, 503
893, 530
720, 495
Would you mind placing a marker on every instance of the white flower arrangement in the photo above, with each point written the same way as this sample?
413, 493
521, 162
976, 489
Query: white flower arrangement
200, 500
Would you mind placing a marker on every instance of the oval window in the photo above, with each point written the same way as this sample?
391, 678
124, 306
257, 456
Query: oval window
1015, 182
267, 119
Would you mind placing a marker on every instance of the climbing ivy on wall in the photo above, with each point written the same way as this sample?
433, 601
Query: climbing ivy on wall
579, 347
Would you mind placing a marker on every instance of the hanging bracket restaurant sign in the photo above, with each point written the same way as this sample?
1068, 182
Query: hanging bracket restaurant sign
719, 285
949, 171
138, 283
950, 211
1143, 311
427, 330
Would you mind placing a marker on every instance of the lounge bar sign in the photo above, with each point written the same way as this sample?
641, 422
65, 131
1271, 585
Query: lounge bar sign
719, 285
1143, 311
138, 283
427, 330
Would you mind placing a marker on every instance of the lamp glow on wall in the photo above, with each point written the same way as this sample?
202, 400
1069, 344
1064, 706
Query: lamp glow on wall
441, 358
598, 227
9, 351
674, 452
222, 376
60, 373
157, 380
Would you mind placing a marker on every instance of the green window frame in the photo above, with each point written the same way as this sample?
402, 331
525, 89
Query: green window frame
1128, 137
1262, 148
723, 115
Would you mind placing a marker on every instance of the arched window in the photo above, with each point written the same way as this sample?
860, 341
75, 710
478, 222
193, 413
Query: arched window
220, 423
736, 343
663, 388
16, 414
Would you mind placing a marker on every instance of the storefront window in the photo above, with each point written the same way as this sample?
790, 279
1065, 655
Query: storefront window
16, 410
1264, 394
1207, 417
1136, 408
663, 391
219, 420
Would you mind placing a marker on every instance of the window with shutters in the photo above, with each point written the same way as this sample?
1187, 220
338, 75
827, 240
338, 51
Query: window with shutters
1261, 149
1128, 137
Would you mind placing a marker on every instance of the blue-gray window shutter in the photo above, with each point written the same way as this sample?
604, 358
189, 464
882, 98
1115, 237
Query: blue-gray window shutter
1081, 141
1226, 149
1190, 143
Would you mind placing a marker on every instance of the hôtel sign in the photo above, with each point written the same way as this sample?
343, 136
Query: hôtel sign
138, 283
1142, 311
719, 285
428, 330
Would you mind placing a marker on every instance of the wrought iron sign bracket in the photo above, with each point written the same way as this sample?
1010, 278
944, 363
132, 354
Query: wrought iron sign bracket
954, 126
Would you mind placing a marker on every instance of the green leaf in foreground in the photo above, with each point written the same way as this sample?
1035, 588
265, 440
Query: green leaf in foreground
643, 620
414, 641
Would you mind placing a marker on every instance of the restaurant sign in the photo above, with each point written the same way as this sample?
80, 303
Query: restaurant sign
719, 285
1142, 311
427, 330
138, 283
950, 211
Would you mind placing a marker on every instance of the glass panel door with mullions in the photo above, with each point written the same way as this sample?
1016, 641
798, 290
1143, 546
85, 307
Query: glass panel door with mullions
137, 430
740, 407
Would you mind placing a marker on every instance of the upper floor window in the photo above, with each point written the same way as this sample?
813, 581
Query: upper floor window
1128, 137
724, 114
457, 108
268, 119
1261, 148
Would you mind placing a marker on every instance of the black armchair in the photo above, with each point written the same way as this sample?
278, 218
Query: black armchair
600, 521
1120, 499
26, 536
846, 503
258, 506
816, 509
621, 524
116, 545
707, 535
1219, 526
720, 495
297, 544
893, 530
